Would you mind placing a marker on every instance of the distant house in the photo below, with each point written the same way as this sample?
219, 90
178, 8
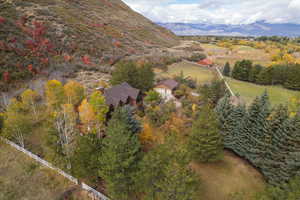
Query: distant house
166, 88
122, 94
206, 62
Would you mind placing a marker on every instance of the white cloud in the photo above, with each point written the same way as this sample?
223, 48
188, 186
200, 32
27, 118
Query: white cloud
219, 11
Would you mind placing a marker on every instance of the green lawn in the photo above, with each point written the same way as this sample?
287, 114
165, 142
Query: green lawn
202, 75
249, 91
22, 178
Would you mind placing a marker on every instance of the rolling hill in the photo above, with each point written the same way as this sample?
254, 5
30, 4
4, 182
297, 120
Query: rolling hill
40, 35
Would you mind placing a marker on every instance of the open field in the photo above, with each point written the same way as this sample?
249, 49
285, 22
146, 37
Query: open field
221, 55
229, 177
248, 91
24, 179
202, 75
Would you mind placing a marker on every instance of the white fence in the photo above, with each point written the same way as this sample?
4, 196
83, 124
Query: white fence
220, 74
91, 192
222, 77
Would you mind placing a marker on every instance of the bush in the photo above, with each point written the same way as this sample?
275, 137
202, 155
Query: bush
196, 57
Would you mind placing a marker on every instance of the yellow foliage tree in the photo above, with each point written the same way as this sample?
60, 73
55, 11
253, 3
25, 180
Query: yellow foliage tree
87, 116
294, 105
30, 100
147, 135
55, 94
74, 92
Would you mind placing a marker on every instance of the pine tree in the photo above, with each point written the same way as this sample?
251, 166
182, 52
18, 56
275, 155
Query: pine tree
223, 110
179, 183
276, 130
152, 171
125, 114
226, 70
119, 160
242, 70
205, 142
165, 173
256, 128
289, 149
233, 125
84, 159
254, 73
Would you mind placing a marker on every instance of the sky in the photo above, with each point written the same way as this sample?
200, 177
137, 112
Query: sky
219, 11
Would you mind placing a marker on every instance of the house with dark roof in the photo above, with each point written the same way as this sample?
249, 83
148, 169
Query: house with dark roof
122, 94
166, 88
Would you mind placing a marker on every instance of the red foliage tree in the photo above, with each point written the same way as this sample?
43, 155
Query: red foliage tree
2, 20
6, 76
86, 60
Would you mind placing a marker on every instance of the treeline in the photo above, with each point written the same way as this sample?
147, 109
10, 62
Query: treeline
268, 138
286, 75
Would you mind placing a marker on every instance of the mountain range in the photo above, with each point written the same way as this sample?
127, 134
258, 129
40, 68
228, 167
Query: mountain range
260, 28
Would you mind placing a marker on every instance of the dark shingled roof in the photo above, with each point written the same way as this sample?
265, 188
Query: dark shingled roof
120, 93
169, 83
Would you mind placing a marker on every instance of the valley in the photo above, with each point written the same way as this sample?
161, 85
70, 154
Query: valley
137, 112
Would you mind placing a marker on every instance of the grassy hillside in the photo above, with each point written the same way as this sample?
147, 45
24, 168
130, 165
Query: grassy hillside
23, 178
38, 35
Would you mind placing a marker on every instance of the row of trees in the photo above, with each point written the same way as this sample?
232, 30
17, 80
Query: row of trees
268, 138
285, 75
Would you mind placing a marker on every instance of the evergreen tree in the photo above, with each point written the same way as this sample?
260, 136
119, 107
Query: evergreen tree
125, 114
165, 173
119, 160
84, 159
256, 128
152, 171
293, 78
179, 183
223, 110
205, 142
226, 70
265, 77
242, 70
254, 73
272, 159
289, 149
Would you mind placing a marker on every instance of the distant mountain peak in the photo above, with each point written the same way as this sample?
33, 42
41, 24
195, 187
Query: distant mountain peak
259, 28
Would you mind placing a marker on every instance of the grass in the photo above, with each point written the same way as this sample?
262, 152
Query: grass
229, 177
202, 75
221, 55
248, 92
23, 178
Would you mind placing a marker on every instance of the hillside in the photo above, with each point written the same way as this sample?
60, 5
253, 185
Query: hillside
38, 35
